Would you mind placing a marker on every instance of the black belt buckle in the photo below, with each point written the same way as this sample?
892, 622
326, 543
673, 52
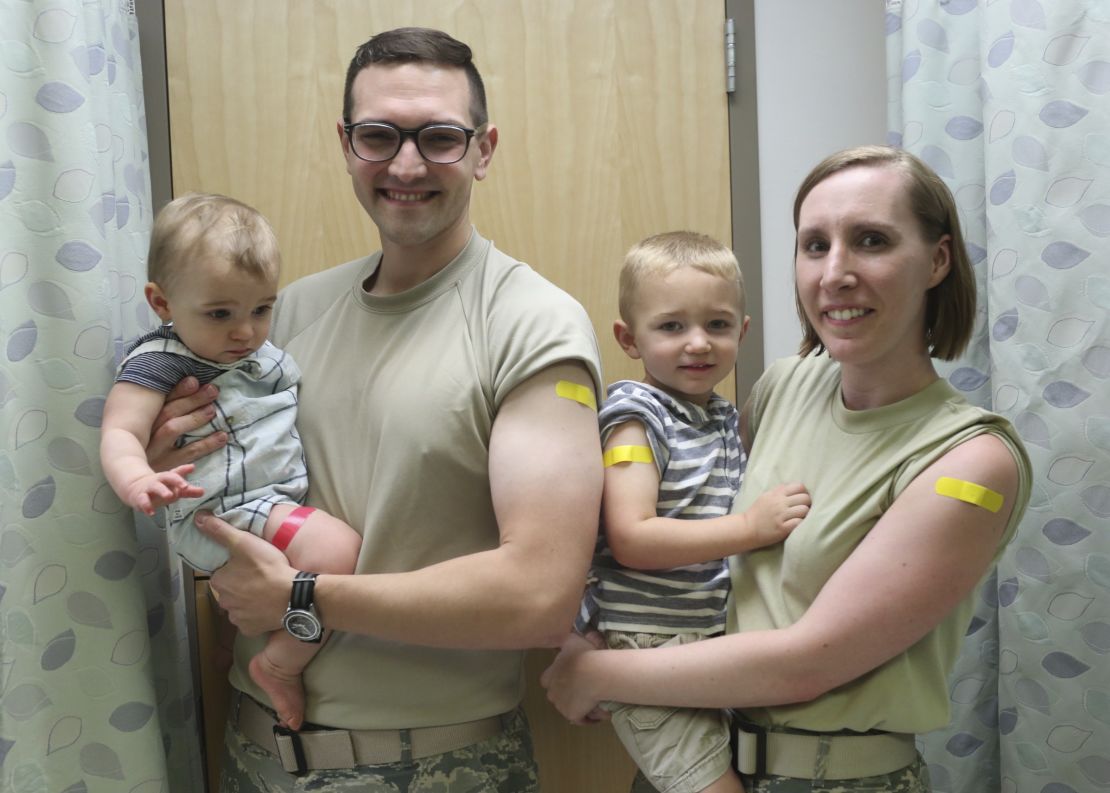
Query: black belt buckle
298, 750
736, 725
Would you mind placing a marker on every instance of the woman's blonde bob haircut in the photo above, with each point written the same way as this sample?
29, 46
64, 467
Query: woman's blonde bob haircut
662, 254
950, 306
208, 225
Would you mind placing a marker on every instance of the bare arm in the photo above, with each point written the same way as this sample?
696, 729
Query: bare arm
545, 478
642, 540
128, 413
920, 560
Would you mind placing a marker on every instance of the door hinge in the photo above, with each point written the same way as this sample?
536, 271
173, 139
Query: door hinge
730, 57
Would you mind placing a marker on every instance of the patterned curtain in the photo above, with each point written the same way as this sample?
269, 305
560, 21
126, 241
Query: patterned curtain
1009, 100
94, 662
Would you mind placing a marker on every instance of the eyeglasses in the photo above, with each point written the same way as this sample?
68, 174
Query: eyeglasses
378, 141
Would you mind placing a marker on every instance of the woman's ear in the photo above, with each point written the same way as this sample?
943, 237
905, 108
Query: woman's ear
157, 301
942, 260
626, 339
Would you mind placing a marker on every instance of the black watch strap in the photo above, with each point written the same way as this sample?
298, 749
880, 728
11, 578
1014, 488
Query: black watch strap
304, 585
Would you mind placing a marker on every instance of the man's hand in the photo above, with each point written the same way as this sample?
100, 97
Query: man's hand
255, 584
188, 407
563, 691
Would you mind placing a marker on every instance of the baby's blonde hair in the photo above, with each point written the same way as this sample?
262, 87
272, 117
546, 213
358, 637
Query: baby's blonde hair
663, 254
207, 224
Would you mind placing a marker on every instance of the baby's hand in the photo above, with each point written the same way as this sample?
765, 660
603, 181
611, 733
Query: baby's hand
778, 512
156, 489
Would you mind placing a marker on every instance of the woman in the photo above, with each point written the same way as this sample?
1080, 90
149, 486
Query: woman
840, 639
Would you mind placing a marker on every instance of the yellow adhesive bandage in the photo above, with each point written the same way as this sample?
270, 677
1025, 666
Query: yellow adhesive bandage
627, 454
578, 393
969, 492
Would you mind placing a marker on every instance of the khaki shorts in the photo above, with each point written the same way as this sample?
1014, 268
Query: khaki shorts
680, 750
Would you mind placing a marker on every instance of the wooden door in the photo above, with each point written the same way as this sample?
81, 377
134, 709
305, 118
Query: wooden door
613, 125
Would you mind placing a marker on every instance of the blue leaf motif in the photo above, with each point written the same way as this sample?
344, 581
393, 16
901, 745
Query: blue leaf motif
932, 35
1000, 50
938, 160
1096, 360
963, 127
1005, 326
1062, 394
1032, 694
131, 716
123, 212
88, 60
1097, 636
1095, 76
1097, 499
58, 651
38, 498
892, 23
1033, 429
155, 619
58, 97
1062, 531
7, 178
78, 256
975, 253
959, 7
1028, 13
967, 378
963, 744
1063, 255
1096, 219
1062, 665
1007, 592
1061, 113
1032, 292
1007, 720
90, 412
1030, 152
1034, 564
27, 140
114, 565
22, 341
910, 64
1003, 188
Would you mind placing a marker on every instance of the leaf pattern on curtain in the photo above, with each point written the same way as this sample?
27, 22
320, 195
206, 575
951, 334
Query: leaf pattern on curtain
1009, 101
95, 685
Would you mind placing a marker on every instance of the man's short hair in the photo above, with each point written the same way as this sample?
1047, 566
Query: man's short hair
662, 254
950, 305
199, 225
417, 45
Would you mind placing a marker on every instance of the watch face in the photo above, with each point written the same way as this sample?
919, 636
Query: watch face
302, 625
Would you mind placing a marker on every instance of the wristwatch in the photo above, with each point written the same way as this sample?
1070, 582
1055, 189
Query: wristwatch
300, 619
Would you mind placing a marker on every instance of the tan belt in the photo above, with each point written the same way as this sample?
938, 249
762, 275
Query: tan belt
317, 749
759, 752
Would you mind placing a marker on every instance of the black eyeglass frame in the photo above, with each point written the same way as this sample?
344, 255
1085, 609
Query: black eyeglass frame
410, 134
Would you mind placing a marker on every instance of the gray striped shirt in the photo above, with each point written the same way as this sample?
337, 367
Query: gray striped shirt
700, 462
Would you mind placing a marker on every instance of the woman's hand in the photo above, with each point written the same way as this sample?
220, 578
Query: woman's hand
255, 584
188, 407
565, 690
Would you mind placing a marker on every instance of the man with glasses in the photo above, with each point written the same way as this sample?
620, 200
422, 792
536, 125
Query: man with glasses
448, 409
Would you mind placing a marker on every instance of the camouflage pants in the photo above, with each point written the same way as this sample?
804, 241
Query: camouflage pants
502, 764
913, 778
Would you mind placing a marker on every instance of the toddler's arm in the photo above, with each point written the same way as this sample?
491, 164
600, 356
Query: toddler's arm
642, 540
128, 414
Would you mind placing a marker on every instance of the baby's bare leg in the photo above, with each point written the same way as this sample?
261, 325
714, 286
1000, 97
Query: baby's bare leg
323, 544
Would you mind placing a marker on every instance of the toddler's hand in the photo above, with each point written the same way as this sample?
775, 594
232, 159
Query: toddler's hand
157, 489
778, 512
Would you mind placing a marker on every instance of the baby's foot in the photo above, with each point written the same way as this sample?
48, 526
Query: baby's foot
286, 691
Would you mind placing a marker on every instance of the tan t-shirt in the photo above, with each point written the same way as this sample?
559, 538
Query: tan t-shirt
398, 397
855, 463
